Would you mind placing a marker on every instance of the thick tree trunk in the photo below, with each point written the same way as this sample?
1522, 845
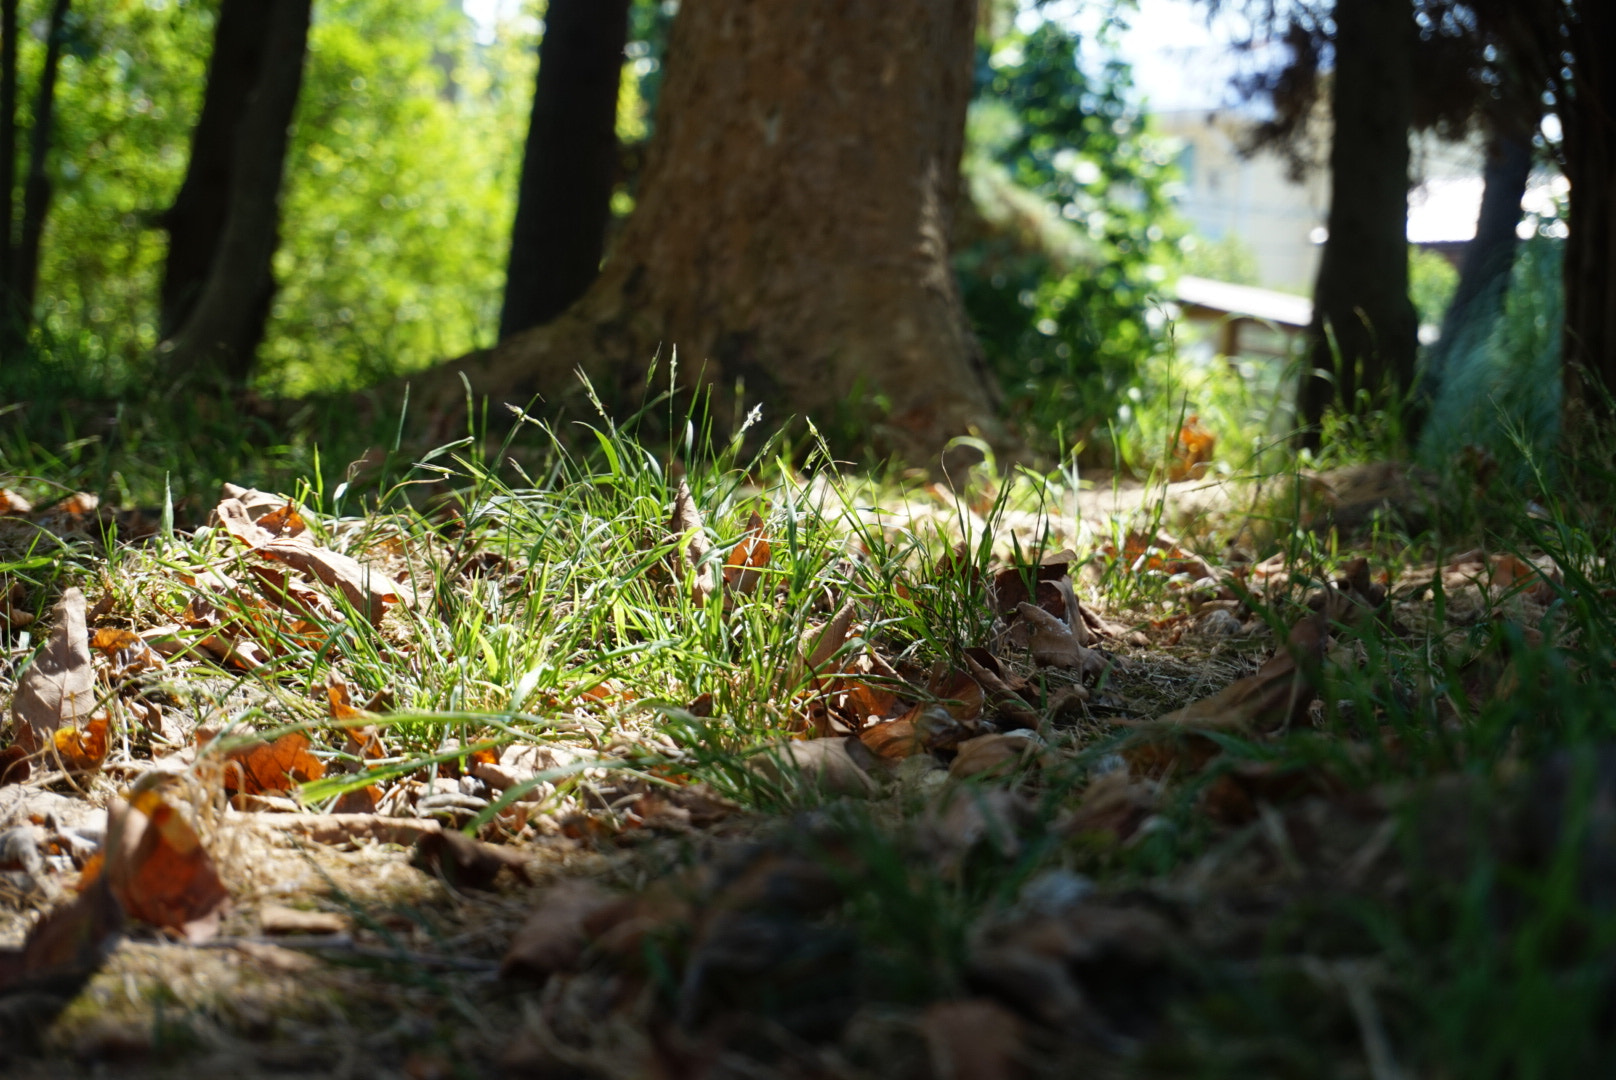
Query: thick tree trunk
222, 332
1589, 151
1488, 258
196, 220
564, 199
1365, 330
792, 236
22, 270
8, 157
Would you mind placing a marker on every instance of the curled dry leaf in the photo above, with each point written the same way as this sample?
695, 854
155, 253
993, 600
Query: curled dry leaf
59, 686
554, 937
743, 568
1276, 697
688, 526
834, 766
1054, 645
14, 767
995, 756
158, 869
82, 749
265, 767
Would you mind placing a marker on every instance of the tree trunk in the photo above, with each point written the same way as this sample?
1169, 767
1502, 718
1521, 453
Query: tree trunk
1365, 330
1488, 258
8, 159
1588, 122
792, 237
223, 330
564, 199
196, 220
23, 268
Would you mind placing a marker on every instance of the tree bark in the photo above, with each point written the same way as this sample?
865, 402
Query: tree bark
1587, 112
1365, 330
8, 157
23, 268
563, 202
1478, 298
196, 220
221, 334
792, 237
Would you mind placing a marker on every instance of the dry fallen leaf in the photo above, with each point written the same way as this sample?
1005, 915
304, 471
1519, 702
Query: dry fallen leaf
687, 525
266, 767
58, 688
158, 869
466, 863
976, 1039
1053, 643
14, 767
61, 953
1273, 699
554, 937
743, 568
82, 749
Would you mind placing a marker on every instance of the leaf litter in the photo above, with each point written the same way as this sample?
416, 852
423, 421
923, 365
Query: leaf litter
584, 903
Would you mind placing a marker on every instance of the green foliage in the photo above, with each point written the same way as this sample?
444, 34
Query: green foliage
1228, 259
395, 211
1432, 280
1066, 321
399, 193
129, 88
1501, 392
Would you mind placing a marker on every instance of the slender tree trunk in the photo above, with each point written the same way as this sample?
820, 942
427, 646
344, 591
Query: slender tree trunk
36, 192
563, 202
792, 236
1588, 121
1489, 256
1365, 330
8, 157
196, 220
223, 330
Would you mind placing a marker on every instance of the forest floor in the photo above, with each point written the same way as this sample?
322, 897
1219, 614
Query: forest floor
622, 770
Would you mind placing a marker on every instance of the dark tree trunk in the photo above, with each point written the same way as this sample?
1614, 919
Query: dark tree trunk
36, 190
563, 202
1365, 330
196, 220
792, 236
8, 157
221, 334
1588, 120
1488, 258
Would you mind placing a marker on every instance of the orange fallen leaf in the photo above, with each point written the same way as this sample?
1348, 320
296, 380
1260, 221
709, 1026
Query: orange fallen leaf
82, 749
742, 570
59, 686
266, 767
1190, 451
159, 871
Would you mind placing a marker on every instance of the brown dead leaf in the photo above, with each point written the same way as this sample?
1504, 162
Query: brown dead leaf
1191, 450
743, 568
284, 521
266, 767
14, 767
1273, 699
59, 686
834, 766
1053, 643
892, 740
466, 863
993, 756
13, 616
158, 869
370, 591
82, 749
1009, 588
820, 645
975, 1039
1115, 803
559, 930
687, 524
61, 953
